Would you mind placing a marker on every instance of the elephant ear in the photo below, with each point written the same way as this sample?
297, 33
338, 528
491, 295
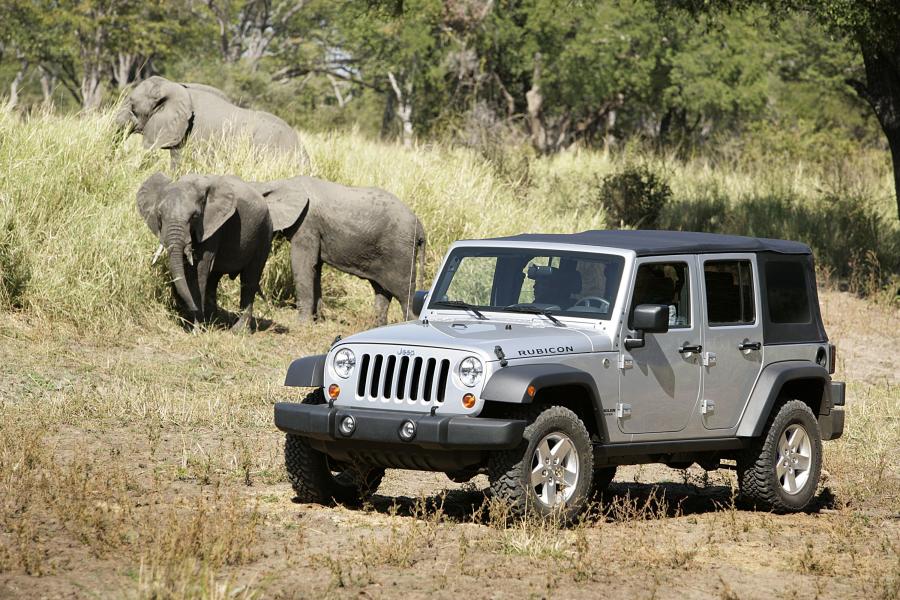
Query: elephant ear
148, 197
220, 204
286, 206
171, 116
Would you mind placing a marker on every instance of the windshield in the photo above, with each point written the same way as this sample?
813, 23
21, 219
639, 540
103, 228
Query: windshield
562, 283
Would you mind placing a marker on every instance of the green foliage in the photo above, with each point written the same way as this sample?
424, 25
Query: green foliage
635, 196
15, 267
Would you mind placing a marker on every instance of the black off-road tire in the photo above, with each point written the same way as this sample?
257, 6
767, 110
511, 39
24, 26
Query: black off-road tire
318, 479
602, 478
509, 471
757, 466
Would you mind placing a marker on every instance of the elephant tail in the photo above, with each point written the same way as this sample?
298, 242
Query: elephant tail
421, 241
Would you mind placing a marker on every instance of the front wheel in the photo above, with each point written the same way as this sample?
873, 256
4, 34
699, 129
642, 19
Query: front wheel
781, 470
551, 471
316, 478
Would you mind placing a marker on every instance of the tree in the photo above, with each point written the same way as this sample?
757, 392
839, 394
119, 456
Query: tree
874, 25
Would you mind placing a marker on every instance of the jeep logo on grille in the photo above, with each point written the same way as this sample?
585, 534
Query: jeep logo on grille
405, 352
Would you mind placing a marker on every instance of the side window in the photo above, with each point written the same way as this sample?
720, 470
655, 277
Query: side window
664, 283
729, 292
787, 292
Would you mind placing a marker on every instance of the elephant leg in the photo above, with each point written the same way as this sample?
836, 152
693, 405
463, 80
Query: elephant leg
204, 278
250, 278
382, 303
317, 292
307, 269
211, 303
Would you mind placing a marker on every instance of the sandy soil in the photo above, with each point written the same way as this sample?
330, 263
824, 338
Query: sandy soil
146, 465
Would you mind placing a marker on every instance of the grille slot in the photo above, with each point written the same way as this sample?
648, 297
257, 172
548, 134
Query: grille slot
414, 379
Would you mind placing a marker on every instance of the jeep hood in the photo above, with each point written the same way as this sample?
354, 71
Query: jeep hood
518, 340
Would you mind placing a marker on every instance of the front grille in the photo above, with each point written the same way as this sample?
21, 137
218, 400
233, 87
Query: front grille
392, 377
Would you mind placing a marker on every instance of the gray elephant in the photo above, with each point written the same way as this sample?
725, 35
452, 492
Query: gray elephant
167, 113
366, 232
211, 226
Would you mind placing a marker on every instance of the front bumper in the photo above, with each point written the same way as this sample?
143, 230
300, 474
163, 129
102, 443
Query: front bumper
377, 427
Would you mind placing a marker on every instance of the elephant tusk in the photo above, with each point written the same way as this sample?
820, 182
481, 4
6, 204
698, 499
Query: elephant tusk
189, 255
157, 254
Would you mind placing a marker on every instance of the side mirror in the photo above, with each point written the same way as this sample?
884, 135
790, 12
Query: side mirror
418, 302
647, 318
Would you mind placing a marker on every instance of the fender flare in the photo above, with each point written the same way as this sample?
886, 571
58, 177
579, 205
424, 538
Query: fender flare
308, 371
768, 388
510, 385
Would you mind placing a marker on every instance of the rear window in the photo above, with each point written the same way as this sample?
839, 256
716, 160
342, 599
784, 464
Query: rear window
787, 292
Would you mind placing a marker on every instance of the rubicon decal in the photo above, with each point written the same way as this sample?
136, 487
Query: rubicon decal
542, 351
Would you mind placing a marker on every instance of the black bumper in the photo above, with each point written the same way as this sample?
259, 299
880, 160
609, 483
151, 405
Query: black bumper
831, 423
320, 422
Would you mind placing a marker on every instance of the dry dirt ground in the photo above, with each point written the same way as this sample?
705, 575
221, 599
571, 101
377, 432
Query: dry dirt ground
145, 465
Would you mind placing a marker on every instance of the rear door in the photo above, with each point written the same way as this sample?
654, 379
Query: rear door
732, 336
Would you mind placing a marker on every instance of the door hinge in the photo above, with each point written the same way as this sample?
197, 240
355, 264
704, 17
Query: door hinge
707, 407
625, 362
709, 359
623, 410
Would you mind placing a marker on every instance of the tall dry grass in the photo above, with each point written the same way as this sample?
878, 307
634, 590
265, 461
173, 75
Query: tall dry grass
73, 248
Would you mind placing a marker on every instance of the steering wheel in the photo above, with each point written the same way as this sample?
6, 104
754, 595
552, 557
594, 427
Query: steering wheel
588, 301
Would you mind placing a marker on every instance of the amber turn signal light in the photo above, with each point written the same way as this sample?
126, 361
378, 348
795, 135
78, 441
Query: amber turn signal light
530, 391
334, 390
468, 400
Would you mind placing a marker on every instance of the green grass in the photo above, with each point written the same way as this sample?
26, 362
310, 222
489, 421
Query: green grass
73, 248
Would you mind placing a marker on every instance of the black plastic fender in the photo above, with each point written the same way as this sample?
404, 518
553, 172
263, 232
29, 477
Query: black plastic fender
768, 387
308, 371
510, 385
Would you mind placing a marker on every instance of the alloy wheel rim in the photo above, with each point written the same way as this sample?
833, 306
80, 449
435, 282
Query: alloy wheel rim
794, 461
554, 470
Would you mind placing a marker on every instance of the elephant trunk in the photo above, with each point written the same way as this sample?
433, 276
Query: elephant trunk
175, 240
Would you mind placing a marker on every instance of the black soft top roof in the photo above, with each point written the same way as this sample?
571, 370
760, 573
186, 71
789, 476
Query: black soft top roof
655, 242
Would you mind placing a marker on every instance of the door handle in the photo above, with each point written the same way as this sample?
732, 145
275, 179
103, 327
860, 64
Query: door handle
744, 346
687, 349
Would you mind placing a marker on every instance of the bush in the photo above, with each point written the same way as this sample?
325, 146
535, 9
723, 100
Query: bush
635, 197
15, 269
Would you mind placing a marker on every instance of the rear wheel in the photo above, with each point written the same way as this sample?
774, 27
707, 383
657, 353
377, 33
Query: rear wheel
551, 471
316, 478
781, 470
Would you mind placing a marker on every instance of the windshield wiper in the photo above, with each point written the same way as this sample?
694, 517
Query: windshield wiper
459, 304
533, 310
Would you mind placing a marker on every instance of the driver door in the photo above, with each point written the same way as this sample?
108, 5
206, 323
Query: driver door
659, 384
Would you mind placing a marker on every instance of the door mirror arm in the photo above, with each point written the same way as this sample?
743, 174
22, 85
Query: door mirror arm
635, 342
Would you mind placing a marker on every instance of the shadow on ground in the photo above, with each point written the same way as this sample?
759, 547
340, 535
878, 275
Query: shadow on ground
621, 502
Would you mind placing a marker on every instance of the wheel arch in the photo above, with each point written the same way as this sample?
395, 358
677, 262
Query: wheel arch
308, 371
795, 380
554, 384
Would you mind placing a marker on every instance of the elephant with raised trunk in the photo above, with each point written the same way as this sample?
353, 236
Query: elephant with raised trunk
211, 226
366, 232
167, 113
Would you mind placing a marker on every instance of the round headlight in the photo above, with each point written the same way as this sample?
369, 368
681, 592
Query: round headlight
344, 362
470, 371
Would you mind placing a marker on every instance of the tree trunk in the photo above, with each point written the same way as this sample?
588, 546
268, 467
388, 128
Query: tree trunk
882, 92
16, 84
534, 101
404, 110
48, 82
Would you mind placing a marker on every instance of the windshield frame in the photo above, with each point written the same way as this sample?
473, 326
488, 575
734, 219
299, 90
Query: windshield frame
588, 252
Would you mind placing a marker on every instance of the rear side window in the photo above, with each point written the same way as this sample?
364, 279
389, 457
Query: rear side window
729, 292
787, 292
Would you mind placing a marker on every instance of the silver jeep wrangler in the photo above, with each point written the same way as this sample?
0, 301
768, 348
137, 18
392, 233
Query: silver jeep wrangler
547, 360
